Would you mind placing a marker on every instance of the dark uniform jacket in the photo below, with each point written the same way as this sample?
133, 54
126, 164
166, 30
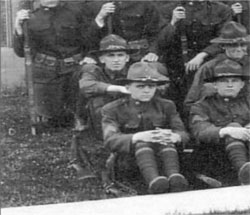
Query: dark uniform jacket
57, 32
200, 89
211, 114
124, 117
132, 20
203, 23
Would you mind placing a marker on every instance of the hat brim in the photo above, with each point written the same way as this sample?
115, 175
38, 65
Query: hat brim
213, 79
231, 41
128, 81
101, 52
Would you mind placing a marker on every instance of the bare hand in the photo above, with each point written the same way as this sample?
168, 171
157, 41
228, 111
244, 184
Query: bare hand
150, 57
237, 8
178, 14
106, 9
21, 15
237, 133
87, 60
195, 63
117, 89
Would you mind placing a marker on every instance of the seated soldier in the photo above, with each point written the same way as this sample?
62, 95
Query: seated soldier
220, 123
234, 40
144, 126
98, 83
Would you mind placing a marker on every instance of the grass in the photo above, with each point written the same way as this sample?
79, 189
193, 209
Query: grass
36, 169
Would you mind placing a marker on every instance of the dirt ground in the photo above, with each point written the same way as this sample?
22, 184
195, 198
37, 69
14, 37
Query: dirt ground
36, 169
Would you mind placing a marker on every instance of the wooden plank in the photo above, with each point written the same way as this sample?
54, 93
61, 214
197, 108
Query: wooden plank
191, 202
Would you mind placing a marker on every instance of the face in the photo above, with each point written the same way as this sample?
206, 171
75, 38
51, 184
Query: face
236, 51
143, 92
115, 61
49, 3
229, 86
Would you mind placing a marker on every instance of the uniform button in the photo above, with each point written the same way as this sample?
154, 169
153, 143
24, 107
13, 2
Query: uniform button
195, 43
139, 116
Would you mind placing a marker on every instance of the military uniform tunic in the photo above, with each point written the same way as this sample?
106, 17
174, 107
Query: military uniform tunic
124, 117
58, 42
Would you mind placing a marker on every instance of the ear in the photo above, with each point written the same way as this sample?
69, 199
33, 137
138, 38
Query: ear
128, 58
101, 59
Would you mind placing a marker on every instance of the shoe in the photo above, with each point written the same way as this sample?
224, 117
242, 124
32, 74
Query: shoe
177, 183
159, 185
244, 174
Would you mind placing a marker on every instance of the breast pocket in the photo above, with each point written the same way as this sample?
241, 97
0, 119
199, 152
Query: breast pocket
69, 32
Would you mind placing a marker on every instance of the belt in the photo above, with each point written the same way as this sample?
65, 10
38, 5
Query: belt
51, 59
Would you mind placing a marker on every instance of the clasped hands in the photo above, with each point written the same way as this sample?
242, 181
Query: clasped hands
159, 136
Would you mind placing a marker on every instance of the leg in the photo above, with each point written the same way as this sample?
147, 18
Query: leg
169, 156
237, 154
147, 164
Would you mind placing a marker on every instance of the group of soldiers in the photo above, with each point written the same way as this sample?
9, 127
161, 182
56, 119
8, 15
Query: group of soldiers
147, 77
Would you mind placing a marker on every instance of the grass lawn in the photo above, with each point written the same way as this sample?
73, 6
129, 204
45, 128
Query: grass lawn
36, 169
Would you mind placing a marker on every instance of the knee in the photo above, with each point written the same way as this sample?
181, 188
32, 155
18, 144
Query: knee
234, 124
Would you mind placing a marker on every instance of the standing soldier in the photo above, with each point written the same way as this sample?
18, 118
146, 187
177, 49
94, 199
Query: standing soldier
142, 126
135, 21
221, 124
184, 40
57, 37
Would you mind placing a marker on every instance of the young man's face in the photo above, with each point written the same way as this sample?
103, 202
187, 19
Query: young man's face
229, 86
236, 51
49, 3
143, 92
114, 61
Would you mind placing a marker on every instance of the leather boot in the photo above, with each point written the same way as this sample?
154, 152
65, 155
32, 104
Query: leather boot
146, 161
177, 182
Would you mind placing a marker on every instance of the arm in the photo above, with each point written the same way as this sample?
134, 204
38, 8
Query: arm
201, 126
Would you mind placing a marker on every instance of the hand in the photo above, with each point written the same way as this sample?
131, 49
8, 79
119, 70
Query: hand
87, 60
117, 89
150, 57
150, 136
21, 15
106, 9
169, 137
235, 132
178, 14
195, 63
237, 8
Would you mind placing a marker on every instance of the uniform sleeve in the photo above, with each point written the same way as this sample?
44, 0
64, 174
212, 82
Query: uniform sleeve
225, 15
202, 129
90, 84
152, 20
114, 139
18, 45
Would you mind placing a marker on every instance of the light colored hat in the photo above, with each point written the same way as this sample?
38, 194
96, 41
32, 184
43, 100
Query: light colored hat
145, 72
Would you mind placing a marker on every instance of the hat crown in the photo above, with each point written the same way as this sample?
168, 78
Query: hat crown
228, 68
144, 72
233, 30
113, 42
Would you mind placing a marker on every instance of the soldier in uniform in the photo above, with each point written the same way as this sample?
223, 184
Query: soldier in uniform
98, 83
135, 21
142, 126
235, 41
184, 40
221, 124
57, 37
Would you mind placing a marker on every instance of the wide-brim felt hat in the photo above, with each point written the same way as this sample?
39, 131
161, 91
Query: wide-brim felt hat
227, 68
231, 33
145, 72
113, 43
